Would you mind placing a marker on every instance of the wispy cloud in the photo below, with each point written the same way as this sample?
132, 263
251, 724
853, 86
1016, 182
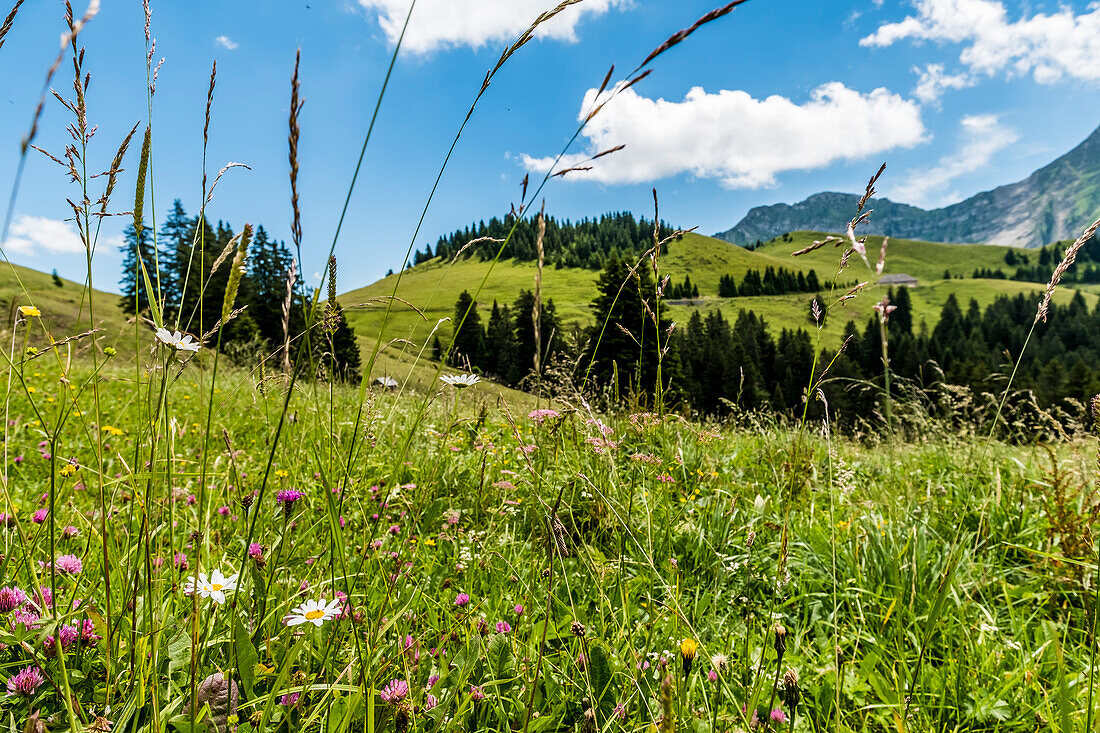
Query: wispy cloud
439, 24
742, 141
933, 82
982, 137
1046, 46
34, 235
227, 43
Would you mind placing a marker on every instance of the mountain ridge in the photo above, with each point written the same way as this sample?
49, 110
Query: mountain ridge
1055, 202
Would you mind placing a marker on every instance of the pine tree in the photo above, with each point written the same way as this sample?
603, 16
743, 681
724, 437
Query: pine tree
468, 341
136, 251
623, 343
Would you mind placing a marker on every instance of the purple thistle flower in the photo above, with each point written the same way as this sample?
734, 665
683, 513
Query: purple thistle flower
11, 598
25, 682
395, 691
288, 496
256, 551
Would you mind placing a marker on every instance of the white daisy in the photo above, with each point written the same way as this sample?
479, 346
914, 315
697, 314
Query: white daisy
458, 381
315, 612
215, 587
178, 341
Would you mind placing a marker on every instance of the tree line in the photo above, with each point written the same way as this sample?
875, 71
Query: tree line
587, 243
713, 365
774, 281
188, 275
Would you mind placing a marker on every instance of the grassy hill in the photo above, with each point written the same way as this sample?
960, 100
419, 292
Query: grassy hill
432, 288
64, 307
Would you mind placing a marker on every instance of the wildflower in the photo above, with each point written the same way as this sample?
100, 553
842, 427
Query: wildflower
712, 676
518, 609
462, 599
286, 498
70, 531
26, 618
290, 699
214, 587
11, 598
779, 716
70, 564
40, 516
619, 711
539, 416
224, 511
29, 311
109, 351
180, 560
178, 341
67, 470
460, 381
477, 693
315, 612
688, 648
503, 627
395, 691
256, 551
430, 702
26, 682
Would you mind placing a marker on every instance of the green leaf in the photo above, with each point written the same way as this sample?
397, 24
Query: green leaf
247, 657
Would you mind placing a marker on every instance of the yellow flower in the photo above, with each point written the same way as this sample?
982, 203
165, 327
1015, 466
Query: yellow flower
67, 470
112, 430
29, 311
688, 647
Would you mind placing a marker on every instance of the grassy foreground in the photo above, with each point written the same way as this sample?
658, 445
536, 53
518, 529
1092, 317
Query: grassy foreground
484, 566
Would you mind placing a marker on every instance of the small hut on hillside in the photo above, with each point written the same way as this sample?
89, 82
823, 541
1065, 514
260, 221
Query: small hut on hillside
899, 279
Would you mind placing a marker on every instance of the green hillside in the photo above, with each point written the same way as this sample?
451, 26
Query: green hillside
64, 309
433, 287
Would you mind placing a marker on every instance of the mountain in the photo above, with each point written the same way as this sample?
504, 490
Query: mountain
1055, 202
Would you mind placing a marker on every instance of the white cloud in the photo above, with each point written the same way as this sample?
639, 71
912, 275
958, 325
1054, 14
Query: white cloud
1046, 46
227, 43
743, 141
33, 235
982, 137
450, 23
933, 82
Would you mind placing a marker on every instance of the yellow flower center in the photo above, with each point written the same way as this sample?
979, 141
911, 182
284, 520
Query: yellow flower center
314, 614
216, 586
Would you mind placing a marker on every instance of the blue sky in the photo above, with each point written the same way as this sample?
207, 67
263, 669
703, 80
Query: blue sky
778, 100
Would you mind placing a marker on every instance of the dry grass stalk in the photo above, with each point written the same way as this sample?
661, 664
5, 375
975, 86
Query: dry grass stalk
818, 244
115, 169
536, 311
291, 279
66, 40
206, 123
224, 254
295, 107
227, 166
471, 243
1056, 277
9, 21
681, 35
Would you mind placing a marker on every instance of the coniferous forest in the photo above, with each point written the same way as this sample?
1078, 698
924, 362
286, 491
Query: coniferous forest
193, 272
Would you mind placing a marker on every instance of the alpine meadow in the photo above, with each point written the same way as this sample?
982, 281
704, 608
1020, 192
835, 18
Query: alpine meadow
563, 468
